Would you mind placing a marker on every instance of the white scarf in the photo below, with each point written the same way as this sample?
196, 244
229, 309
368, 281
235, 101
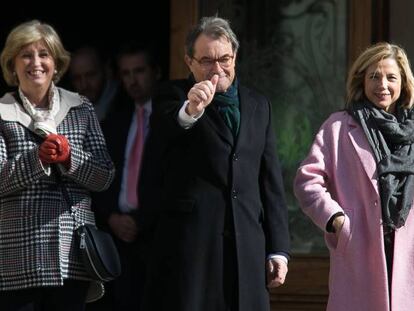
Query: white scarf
43, 118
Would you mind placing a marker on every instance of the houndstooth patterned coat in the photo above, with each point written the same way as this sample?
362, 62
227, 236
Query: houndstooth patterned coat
37, 241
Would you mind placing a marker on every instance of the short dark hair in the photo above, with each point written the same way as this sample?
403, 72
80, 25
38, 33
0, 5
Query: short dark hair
214, 27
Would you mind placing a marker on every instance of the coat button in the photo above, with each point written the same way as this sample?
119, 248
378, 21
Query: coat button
234, 192
235, 157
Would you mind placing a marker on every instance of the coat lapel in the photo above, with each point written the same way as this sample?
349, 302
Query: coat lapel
218, 124
247, 108
11, 110
363, 150
67, 100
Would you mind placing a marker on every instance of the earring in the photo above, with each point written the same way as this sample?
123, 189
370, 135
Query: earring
56, 72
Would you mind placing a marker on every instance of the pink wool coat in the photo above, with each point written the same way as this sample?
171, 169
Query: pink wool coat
339, 175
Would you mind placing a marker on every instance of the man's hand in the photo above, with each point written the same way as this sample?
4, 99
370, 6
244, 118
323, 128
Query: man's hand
276, 270
201, 95
123, 226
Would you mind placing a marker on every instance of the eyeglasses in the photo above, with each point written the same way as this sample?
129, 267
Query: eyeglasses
224, 61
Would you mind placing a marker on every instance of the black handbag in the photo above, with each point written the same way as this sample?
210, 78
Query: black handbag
97, 248
99, 253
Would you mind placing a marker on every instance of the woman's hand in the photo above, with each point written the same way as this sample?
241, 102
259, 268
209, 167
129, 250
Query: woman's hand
337, 224
55, 149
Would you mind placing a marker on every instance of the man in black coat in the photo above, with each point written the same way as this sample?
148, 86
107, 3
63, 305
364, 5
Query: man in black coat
212, 204
114, 209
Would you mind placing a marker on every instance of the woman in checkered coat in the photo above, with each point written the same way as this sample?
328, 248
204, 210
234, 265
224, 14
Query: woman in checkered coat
49, 139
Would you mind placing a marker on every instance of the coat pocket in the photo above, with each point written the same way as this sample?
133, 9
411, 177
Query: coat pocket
346, 232
339, 245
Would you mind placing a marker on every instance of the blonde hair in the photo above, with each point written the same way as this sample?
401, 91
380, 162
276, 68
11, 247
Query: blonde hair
27, 33
372, 55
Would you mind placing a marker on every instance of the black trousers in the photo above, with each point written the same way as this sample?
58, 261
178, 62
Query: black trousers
69, 297
230, 273
389, 255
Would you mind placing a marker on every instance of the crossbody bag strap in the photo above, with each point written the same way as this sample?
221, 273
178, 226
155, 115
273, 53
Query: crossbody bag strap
66, 196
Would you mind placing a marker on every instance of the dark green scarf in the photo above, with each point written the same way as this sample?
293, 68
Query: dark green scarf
228, 106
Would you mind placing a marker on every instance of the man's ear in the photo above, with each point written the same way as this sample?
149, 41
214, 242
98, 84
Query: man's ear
188, 61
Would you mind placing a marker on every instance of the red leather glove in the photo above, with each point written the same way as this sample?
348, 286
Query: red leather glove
55, 149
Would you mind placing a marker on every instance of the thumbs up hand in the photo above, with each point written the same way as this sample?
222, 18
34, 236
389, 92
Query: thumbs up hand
201, 95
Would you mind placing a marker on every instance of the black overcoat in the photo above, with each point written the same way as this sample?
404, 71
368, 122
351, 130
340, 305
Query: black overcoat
212, 206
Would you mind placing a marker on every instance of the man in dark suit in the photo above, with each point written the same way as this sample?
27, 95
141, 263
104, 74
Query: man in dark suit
125, 130
212, 201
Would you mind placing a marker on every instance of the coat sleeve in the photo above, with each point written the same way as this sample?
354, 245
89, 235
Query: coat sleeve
164, 132
20, 170
91, 165
167, 101
273, 196
312, 182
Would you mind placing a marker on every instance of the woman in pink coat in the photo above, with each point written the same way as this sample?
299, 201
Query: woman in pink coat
357, 185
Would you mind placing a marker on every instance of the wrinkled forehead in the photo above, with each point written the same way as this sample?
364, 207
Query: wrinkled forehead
211, 44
